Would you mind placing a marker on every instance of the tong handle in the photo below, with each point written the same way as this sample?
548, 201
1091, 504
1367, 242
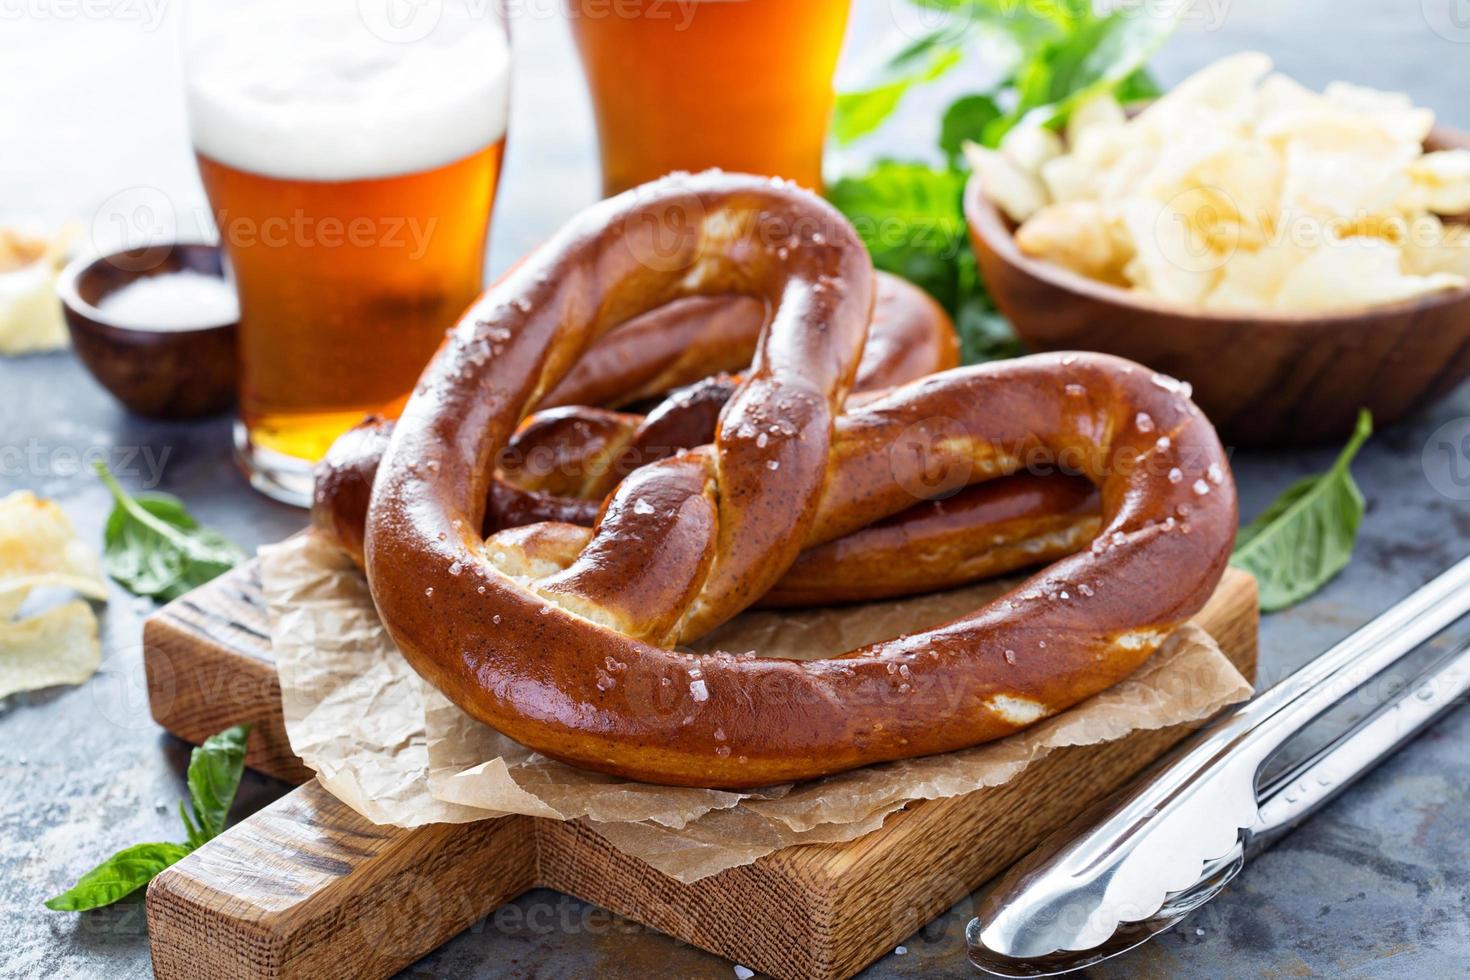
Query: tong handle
1294, 703
1318, 779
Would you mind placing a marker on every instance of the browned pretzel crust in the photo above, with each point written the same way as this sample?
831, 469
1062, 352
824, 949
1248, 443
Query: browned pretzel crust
980, 532
570, 654
697, 336
562, 462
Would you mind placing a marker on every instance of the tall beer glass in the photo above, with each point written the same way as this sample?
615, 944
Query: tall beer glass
744, 85
351, 158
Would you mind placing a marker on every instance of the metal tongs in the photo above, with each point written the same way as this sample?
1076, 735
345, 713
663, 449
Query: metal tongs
1138, 862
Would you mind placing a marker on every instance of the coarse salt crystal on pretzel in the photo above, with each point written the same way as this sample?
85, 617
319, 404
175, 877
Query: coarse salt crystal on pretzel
573, 655
562, 461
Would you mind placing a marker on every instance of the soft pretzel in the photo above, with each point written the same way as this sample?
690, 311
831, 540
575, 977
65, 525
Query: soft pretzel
671, 346
980, 532
698, 336
563, 461
571, 653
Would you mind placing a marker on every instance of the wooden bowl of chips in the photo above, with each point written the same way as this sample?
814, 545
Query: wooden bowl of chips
1266, 378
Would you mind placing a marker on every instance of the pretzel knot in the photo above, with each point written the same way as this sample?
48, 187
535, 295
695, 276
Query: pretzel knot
564, 639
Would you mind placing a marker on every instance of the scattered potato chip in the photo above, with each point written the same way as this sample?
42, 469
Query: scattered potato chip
18, 249
39, 547
1242, 189
58, 646
30, 311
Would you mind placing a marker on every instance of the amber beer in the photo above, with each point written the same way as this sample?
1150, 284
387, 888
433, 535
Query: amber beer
346, 287
351, 178
744, 85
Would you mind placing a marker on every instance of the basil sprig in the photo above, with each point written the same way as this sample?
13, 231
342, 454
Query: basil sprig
909, 213
214, 777
155, 548
1061, 56
1306, 536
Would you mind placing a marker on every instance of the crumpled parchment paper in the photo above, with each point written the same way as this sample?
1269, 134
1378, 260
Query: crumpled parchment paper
397, 751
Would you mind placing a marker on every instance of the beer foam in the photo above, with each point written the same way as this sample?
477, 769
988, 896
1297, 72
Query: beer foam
314, 91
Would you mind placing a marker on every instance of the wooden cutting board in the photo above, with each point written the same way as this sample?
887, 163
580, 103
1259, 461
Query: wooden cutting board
307, 888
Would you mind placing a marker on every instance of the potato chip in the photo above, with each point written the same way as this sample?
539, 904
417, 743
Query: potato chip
1222, 93
1099, 113
1016, 192
1439, 182
1356, 272
1078, 235
1239, 179
1432, 246
1171, 260
1242, 189
1132, 167
1030, 146
30, 311
1279, 94
1251, 280
38, 547
1330, 183
58, 646
1394, 112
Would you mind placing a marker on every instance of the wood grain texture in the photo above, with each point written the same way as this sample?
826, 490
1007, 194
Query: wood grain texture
1263, 378
207, 658
306, 887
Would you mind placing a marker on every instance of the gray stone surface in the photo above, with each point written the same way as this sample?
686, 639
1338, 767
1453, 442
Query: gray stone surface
1375, 886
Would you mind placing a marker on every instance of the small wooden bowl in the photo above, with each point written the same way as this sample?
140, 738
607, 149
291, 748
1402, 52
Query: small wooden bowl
163, 374
1264, 378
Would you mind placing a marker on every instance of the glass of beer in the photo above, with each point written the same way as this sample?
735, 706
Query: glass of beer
744, 85
350, 150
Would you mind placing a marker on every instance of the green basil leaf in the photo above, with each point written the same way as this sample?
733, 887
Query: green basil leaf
154, 548
1307, 535
1102, 54
965, 119
985, 335
1138, 87
909, 216
120, 875
193, 836
214, 777
860, 112
1026, 23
